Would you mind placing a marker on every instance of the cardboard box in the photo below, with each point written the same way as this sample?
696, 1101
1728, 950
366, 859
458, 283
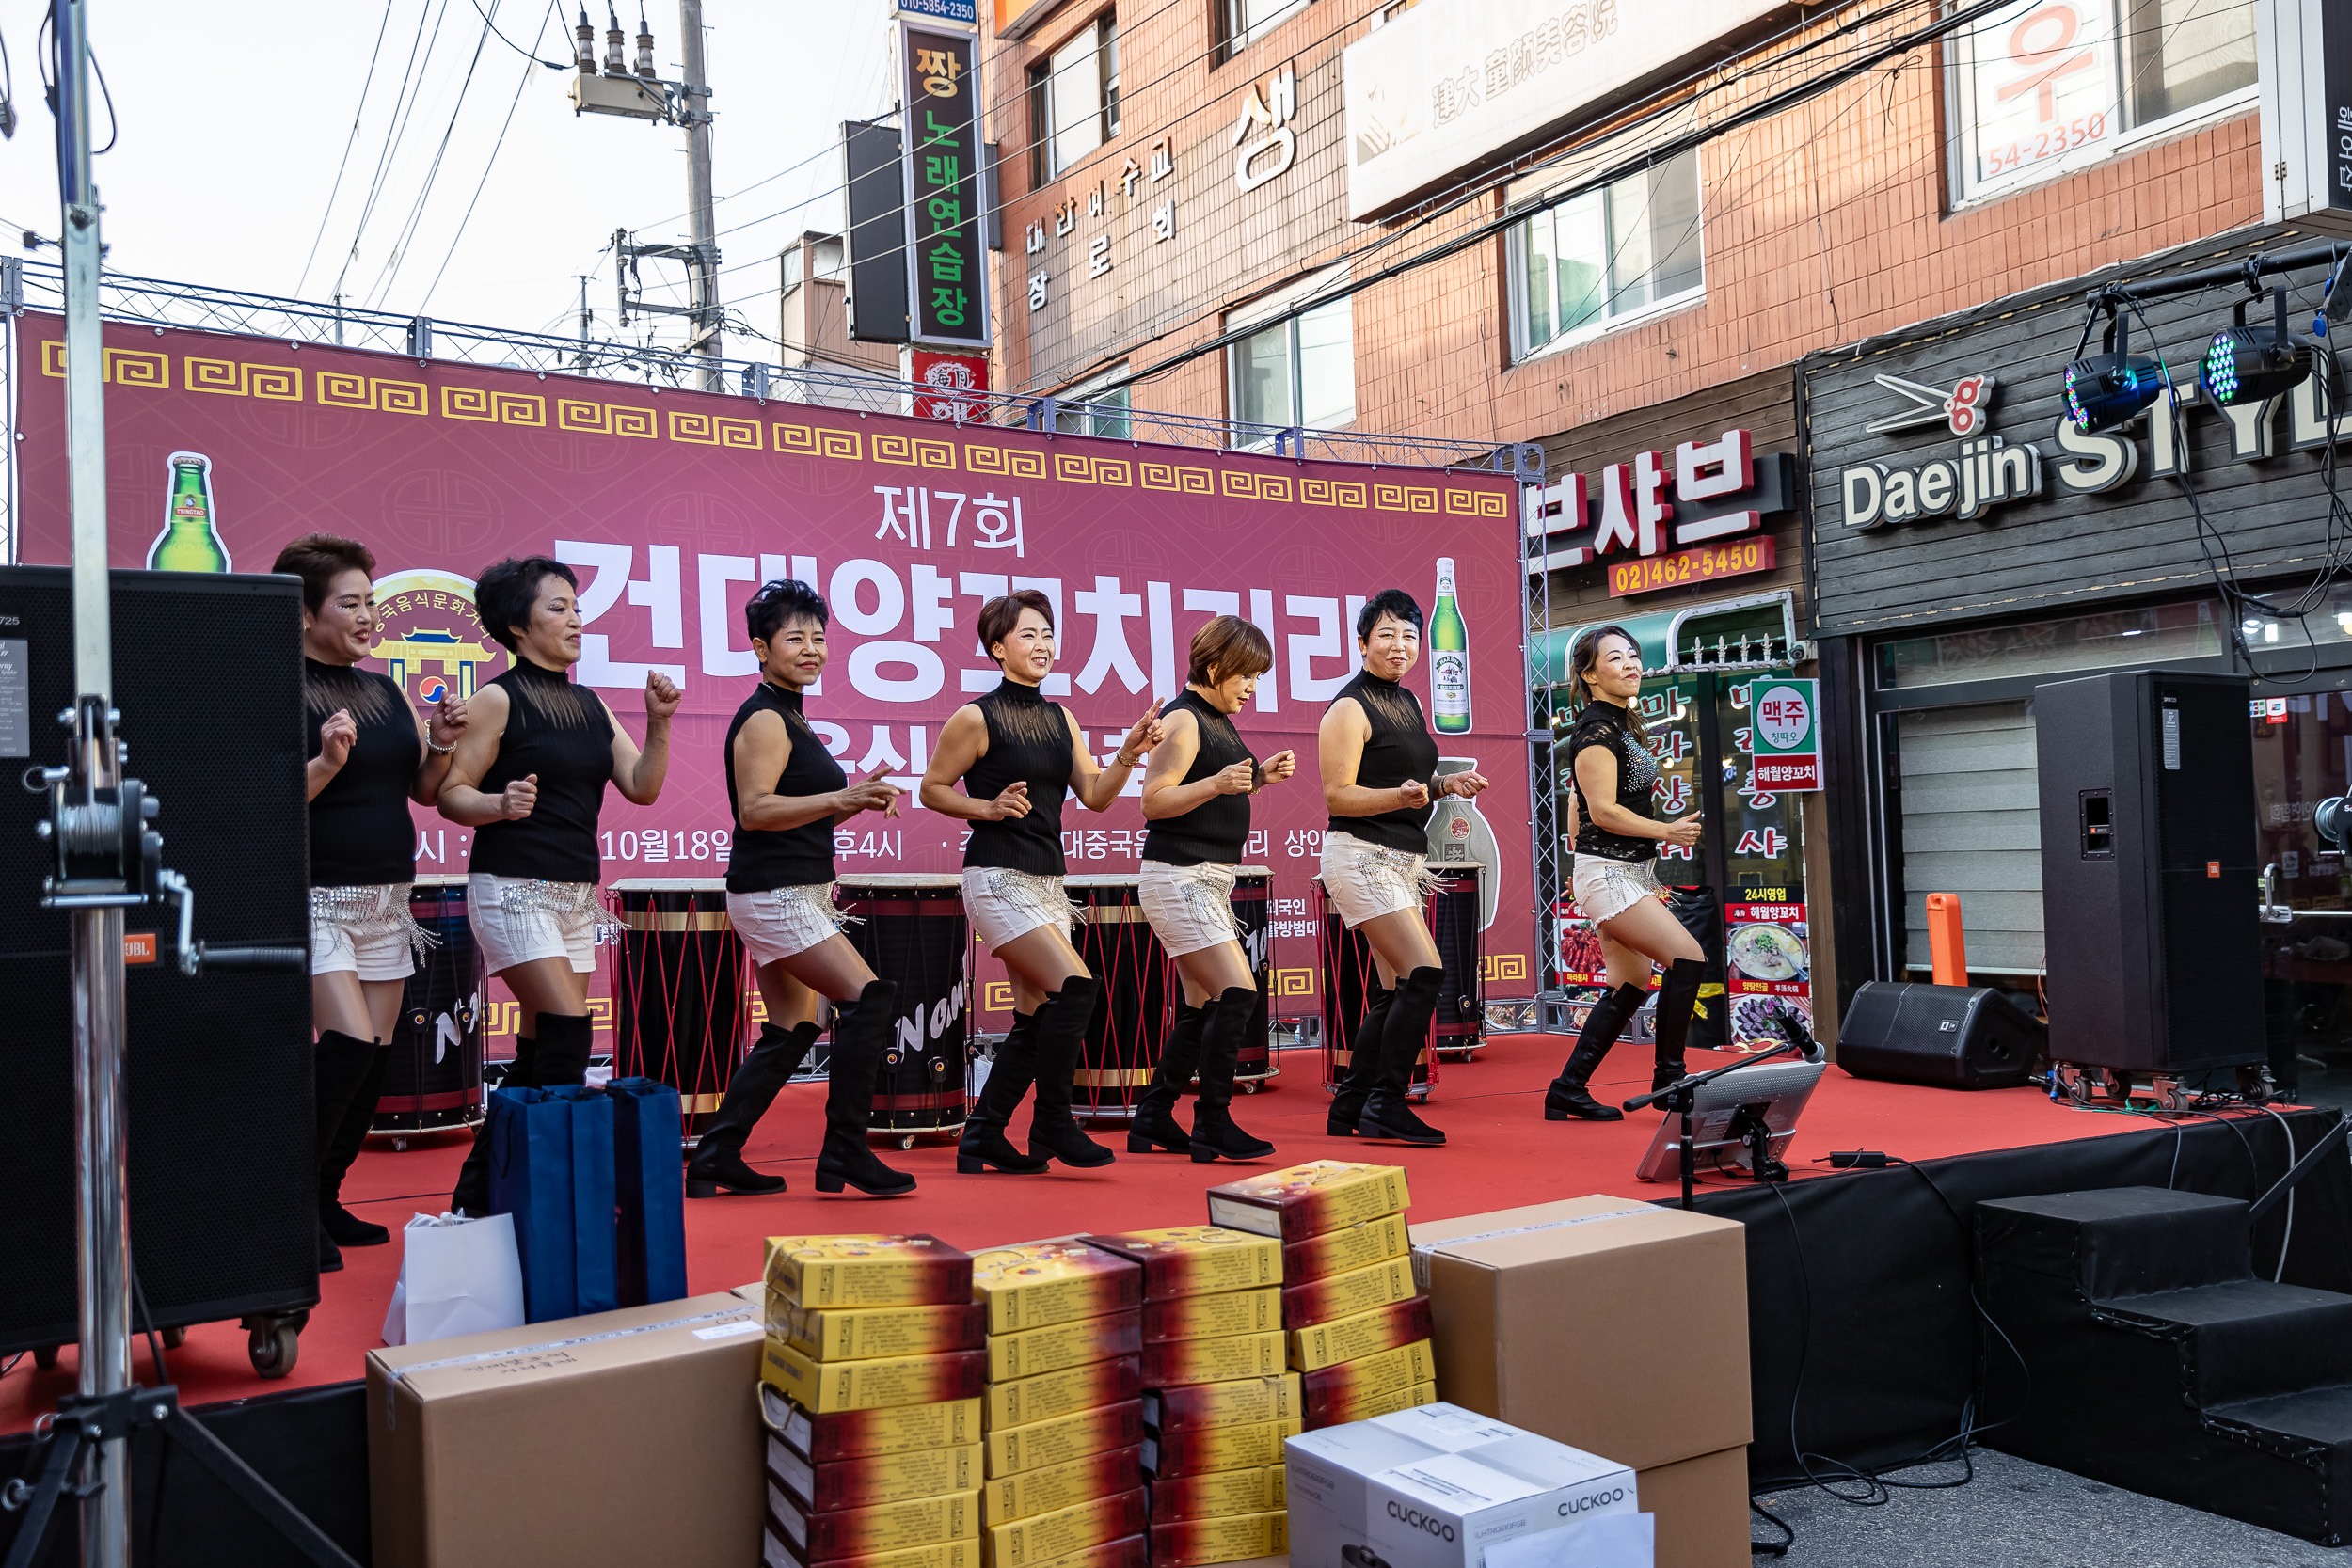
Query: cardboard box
1657, 1368
838, 1483
1013, 1450
1702, 1509
1219, 1312
866, 1271
776, 1552
861, 1434
1187, 1260
1343, 1295
1032, 1543
815, 1538
1357, 1247
1449, 1509
1032, 1351
827, 1388
1218, 1360
1235, 1538
1306, 1200
1034, 1491
1335, 1388
544, 1402
1039, 1283
1351, 1338
1212, 1494
1025, 1401
864, 1334
1363, 1404
1128, 1551
1240, 1402
1225, 1448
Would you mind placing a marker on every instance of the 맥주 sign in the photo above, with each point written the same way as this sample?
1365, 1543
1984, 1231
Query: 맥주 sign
1785, 728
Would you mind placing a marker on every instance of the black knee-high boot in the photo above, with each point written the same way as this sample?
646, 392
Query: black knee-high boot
1566, 1096
1363, 1061
717, 1161
1388, 1113
472, 1196
861, 1033
984, 1146
342, 1148
1155, 1125
1214, 1134
1678, 997
338, 1067
1062, 1031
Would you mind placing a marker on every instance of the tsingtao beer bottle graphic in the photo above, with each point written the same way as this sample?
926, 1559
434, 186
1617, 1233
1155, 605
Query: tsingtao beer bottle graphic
189, 542
1449, 658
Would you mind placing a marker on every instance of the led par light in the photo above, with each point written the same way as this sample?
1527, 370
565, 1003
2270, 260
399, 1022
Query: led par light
2105, 389
2254, 364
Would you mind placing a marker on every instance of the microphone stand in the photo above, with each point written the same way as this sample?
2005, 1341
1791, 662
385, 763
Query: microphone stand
1681, 1096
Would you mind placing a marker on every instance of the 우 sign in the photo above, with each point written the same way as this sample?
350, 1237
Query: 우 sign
1784, 730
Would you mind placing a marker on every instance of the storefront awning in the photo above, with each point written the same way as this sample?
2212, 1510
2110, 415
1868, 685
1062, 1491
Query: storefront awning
1754, 632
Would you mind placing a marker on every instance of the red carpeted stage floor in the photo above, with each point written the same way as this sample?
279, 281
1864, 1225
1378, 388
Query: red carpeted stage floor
1502, 1154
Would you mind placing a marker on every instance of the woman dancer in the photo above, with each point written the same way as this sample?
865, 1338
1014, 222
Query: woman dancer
787, 793
1616, 874
1377, 758
1195, 796
529, 775
371, 754
1018, 755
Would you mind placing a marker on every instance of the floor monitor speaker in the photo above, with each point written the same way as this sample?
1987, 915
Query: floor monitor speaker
1945, 1036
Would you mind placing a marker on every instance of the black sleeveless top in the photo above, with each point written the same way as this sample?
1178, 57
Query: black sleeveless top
1401, 749
362, 834
1213, 832
561, 733
1600, 724
764, 858
1029, 737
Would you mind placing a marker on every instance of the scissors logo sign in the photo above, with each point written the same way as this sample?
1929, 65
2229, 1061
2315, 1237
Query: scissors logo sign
1965, 408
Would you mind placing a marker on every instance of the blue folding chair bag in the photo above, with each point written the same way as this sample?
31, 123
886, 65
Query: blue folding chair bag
596, 1275
649, 1183
531, 1177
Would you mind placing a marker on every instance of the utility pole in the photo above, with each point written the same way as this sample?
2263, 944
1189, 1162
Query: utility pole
703, 269
587, 319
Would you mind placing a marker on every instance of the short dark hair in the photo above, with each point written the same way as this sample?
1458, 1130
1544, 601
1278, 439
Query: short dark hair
1226, 647
1392, 603
1002, 614
786, 600
318, 560
506, 590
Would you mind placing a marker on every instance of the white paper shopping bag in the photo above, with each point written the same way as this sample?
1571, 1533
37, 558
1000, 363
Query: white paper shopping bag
457, 1275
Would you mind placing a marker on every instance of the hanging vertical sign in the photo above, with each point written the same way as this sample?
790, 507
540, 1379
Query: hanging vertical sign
1785, 725
947, 264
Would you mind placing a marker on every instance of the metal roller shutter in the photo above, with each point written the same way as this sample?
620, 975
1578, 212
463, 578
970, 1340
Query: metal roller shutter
1971, 825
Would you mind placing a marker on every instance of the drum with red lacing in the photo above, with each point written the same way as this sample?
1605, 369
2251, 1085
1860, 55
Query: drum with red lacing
1253, 911
1139, 986
679, 978
1347, 971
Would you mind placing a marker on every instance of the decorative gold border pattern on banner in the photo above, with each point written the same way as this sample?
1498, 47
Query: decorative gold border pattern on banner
348, 389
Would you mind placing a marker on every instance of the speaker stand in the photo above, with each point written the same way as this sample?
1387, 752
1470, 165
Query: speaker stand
1749, 1126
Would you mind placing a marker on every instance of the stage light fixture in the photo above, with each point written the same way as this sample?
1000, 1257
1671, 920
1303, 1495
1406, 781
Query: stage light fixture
2254, 364
2105, 389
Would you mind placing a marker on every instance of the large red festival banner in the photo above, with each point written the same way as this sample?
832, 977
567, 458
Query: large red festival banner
673, 506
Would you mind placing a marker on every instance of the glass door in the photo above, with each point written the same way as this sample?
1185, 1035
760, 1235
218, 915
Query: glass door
2302, 773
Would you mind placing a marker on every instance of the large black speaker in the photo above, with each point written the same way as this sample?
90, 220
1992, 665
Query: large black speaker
2149, 884
1945, 1036
208, 676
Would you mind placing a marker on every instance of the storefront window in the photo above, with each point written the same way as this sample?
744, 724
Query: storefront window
2110, 638
2045, 84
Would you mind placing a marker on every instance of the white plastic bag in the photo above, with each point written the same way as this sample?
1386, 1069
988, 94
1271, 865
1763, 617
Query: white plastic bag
457, 1275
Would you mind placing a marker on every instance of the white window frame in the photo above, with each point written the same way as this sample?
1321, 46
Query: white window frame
1967, 193
1089, 417
1607, 322
1285, 307
1100, 36
1239, 38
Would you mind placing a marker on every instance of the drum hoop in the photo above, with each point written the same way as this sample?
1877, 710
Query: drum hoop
906, 909
676, 920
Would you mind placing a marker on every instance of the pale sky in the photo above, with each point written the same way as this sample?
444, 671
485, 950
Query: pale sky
235, 115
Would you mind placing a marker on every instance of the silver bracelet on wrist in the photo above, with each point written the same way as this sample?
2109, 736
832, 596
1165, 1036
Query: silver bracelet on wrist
440, 751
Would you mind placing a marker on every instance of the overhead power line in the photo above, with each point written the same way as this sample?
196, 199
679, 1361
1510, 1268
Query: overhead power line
349, 142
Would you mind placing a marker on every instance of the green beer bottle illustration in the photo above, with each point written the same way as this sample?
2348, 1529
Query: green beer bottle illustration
1449, 658
188, 542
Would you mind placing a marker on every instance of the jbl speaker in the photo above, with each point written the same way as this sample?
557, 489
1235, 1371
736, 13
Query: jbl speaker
1945, 1036
223, 1185
2150, 886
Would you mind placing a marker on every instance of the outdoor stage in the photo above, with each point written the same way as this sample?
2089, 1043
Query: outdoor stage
1502, 1154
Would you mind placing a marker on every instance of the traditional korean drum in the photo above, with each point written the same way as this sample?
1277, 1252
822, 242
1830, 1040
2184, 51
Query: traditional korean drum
432, 1078
912, 931
1459, 1027
1122, 1044
1347, 971
679, 1009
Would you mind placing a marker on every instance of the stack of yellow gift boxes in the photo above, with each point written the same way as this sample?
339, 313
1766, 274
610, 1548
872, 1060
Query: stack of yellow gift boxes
1064, 1485
1217, 1399
1357, 1323
872, 1375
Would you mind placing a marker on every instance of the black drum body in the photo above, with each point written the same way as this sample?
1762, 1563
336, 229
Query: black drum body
912, 931
433, 1079
1253, 911
1347, 974
1460, 1024
679, 1015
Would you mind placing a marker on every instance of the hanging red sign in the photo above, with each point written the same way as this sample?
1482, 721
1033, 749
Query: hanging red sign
953, 378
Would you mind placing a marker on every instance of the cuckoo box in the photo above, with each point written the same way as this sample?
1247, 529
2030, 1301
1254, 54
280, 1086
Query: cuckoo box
1306, 1200
541, 1404
1190, 1259
1039, 1283
1656, 1369
866, 1271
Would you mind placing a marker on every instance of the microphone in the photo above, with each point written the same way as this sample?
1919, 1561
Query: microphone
1799, 1036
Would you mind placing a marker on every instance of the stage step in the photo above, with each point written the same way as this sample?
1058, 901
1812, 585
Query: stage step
2160, 1364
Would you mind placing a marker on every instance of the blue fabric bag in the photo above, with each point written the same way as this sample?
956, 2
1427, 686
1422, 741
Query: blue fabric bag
649, 1182
551, 1168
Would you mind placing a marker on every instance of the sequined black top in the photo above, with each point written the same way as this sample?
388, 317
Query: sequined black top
1606, 724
